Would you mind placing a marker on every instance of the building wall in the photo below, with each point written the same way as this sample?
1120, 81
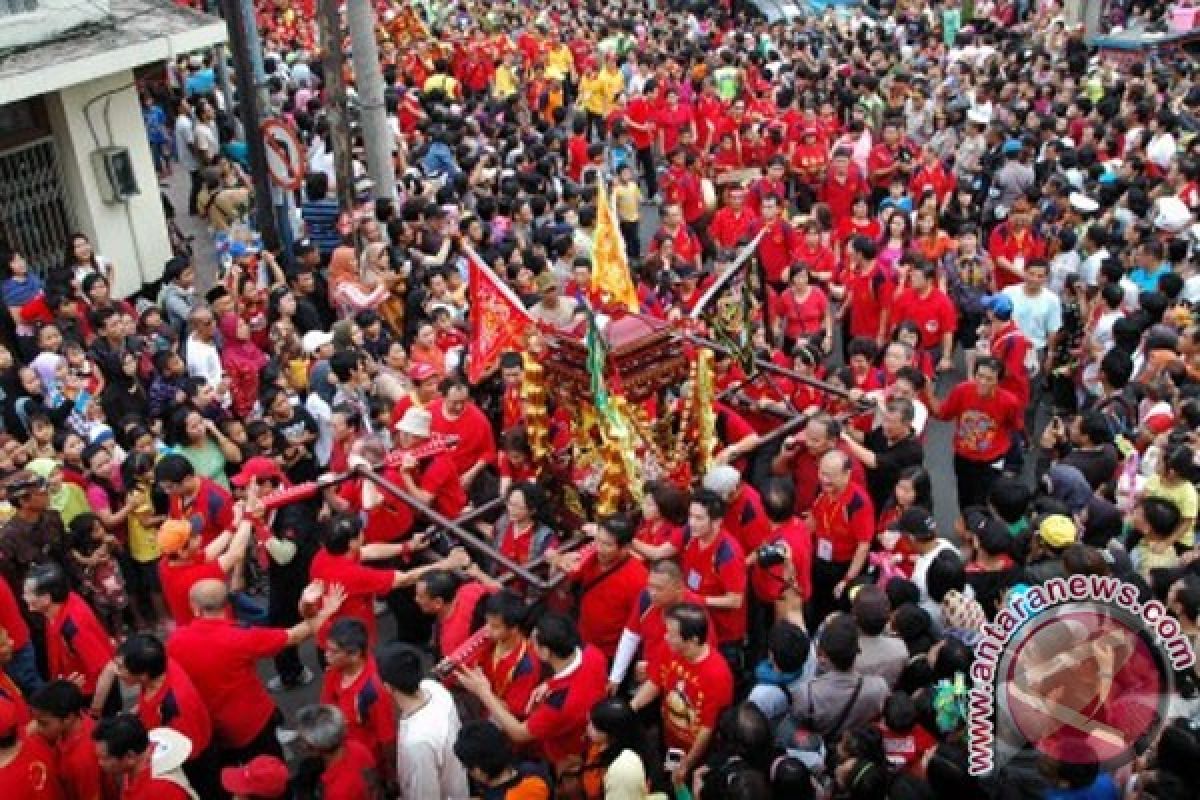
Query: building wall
47, 20
133, 235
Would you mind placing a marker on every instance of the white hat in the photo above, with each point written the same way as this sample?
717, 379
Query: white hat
315, 340
416, 421
1082, 203
1172, 215
722, 480
979, 117
171, 749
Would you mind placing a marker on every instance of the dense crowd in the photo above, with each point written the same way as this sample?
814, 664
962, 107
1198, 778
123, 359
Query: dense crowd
963, 222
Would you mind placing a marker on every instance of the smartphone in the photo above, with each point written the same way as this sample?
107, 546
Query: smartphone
673, 760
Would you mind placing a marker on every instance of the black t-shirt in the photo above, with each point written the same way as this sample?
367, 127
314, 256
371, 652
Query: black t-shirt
300, 462
1098, 464
890, 461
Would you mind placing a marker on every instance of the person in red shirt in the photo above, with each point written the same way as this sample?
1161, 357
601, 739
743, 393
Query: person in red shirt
931, 174
695, 685
744, 518
867, 293
27, 765
124, 751
843, 522
777, 247
664, 512
843, 183
646, 626
341, 562
507, 657
77, 646
558, 714
608, 579
1009, 344
352, 685
800, 455
734, 223
206, 505
577, 150
884, 162
455, 413
60, 717
804, 310
687, 247
930, 309
671, 118
186, 560
1013, 244
455, 606
986, 421
781, 569
432, 479
641, 122
221, 659
350, 770
167, 698
21, 665
714, 568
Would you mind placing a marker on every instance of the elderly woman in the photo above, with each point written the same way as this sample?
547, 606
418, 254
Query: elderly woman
350, 290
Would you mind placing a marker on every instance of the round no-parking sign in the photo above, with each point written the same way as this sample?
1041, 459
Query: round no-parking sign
285, 155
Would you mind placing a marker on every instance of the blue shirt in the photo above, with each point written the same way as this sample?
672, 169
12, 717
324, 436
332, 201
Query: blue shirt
1148, 281
320, 218
200, 82
1102, 789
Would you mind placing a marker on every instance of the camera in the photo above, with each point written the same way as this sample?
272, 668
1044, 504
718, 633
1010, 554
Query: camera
770, 555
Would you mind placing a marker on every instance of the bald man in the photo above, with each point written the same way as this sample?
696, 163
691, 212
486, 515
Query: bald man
222, 658
843, 524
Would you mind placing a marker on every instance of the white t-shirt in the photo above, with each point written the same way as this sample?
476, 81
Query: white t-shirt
204, 361
185, 138
426, 764
1039, 316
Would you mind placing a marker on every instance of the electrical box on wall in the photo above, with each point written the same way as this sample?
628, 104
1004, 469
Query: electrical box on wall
114, 174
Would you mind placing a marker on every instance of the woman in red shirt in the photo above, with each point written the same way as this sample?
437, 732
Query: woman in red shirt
664, 512
930, 241
521, 535
804, 310
860, 222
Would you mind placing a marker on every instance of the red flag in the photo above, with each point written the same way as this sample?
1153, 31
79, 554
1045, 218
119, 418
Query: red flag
498, 318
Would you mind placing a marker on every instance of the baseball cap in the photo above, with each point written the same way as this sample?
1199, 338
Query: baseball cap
1057, 530
315, 340
421, 372
918, 523
1000, 305
258, 468
992, 535
173, 535
263, 776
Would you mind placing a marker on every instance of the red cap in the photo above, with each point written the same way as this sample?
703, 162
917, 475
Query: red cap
264, 776
258, 468
421, 372
10, 718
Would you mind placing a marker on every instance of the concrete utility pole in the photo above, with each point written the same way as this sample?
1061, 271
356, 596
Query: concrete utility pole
368, 80
334, 60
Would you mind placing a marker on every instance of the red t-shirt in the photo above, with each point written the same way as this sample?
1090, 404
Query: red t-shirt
558, 721
222, 659
577, 157
177, 581
803, 317
933, 314
768, 584
649, 622
714, 571
841, 522
144, 786
475, 440
729, 227
10, 618
456, 627
32, 775
210, 511
78, 768
840, 195
177, 705
639, 111
362, 584
390, 521
881, 157
777, 249
77, 642
660, 532
693, 695
671, 120
367, 707
439, 476
607, 596
869, 296
1011, 346
513, 676
804, 477
746, 520
1003, 244
984, 425
905, 749
346, 778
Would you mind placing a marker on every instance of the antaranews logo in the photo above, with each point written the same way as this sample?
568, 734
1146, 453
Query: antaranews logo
1076, 668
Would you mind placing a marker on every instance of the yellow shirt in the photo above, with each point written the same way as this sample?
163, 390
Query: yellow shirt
504, 82
1184, 497
559, 62
592, 97
628, 199
446, 83
614, 83
143, 540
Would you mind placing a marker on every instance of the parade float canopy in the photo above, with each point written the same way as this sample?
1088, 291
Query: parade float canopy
644, 357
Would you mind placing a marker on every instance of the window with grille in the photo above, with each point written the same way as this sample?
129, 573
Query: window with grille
35, 217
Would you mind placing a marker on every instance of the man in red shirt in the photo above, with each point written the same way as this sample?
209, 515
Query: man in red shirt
22, 664
558, 716
206, 505
744, 519
714, 568
352, 685
27, 764
1007, 343
770, 185
608, 579
167, 698
695, 685
455, 413
432, 479
60, 716
1013, 244
800, 455
350, 769
867, 293
931, 175
687, 246
124, 752
221, 658
733, 223
781, 576
843, 523
453, 604
642, 125
186, 560
810, 158
778, 246
987, 418
843, 183
507, 658
77, 646
884, 162
930, 309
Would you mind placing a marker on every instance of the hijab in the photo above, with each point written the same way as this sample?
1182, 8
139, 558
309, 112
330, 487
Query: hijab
239, 353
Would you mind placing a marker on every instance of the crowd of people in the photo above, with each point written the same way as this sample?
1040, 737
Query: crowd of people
972, 223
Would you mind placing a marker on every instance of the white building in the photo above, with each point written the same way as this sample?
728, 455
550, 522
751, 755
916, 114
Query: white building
68, 100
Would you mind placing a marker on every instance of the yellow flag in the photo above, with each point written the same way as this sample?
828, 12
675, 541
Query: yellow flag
610, 269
